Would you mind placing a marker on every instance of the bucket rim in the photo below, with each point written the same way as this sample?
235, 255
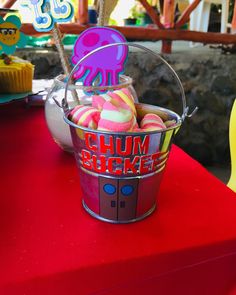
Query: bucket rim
178, 124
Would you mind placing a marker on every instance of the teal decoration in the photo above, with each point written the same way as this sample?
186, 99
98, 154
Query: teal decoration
9, 98
10, 35
44, 18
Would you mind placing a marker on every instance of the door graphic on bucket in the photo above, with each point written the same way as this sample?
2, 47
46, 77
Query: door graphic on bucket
118, 198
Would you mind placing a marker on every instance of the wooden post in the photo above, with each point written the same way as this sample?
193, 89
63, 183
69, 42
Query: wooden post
168, 22
166, 46
152, 13
169, 14
8, 4
83, 12
186, 14
144, 33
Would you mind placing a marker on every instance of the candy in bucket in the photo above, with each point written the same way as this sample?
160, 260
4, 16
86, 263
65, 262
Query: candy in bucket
121, 169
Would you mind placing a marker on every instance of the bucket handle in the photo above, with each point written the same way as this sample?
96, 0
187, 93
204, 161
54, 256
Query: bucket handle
185, 108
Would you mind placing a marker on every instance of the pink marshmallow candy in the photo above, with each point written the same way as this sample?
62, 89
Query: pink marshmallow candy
116, 118
116, 97
85, 116
152, 122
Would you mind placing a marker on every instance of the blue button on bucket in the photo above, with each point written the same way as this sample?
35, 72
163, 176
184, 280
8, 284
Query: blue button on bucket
127, 190
109, 189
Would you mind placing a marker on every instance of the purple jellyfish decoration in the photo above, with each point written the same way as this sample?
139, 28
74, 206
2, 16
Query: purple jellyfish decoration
105, 64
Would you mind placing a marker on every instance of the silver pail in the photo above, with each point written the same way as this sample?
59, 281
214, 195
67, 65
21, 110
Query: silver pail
120, 173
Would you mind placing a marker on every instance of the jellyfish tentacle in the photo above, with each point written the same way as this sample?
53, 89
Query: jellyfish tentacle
114, 77
91, 77
104, 78
79, 73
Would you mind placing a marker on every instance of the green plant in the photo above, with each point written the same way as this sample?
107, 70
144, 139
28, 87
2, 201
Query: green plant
136, 11
112, 22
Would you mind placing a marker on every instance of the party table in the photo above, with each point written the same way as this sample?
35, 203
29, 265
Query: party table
50, 245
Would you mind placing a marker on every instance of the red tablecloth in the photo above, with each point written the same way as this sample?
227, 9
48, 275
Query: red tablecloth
50, 245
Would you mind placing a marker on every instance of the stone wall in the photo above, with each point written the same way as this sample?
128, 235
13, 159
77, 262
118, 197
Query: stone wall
208, 78
209, 82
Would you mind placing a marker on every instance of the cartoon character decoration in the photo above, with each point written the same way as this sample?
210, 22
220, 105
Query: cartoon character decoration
10, 35
44, 18
106, 64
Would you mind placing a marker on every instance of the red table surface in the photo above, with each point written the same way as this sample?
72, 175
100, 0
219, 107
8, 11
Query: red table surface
50, 245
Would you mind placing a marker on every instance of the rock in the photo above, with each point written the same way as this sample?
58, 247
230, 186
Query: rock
223, 85
42, 66
159, 97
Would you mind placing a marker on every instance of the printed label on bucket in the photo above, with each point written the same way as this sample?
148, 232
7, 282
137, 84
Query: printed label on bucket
121, 155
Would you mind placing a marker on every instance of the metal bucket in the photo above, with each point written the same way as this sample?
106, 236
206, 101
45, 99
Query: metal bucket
120, 173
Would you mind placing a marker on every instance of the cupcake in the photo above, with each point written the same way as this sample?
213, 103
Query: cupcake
16, 74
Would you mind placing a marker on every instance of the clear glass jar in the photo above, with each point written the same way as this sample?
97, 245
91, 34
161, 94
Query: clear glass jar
54, 114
